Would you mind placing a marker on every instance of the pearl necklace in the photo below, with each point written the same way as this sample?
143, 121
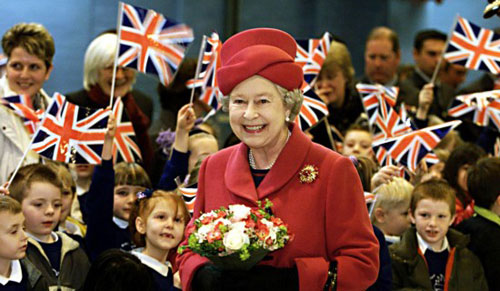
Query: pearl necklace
251, 159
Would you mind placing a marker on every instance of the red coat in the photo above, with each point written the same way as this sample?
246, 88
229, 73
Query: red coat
327, 217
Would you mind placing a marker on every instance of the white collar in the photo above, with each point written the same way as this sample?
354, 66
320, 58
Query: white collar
392, 238
162, 268
52, 234
16, 273
120, 222
423, 245
80, 190
70, 227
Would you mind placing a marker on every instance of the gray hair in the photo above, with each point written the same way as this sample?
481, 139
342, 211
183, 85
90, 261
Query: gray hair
99, 55
291, 99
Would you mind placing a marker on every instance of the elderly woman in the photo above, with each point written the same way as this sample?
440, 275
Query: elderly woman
97, 81
29, 48
323, 207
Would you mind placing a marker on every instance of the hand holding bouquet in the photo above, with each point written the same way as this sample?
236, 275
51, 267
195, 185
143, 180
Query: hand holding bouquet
237, 237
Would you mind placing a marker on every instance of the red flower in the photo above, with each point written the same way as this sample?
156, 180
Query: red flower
207, 220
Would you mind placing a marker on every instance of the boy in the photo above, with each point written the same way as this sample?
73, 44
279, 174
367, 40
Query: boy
430, 256
484, 226
16, 273
390, 212
38, 189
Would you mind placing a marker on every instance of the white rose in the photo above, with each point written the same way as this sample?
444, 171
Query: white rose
235, 239
240, 212
202, 232
238, 226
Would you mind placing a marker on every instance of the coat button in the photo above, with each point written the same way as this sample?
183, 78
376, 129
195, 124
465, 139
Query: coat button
4, 127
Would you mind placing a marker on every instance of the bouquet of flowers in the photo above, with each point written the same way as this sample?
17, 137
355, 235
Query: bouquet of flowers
237, 237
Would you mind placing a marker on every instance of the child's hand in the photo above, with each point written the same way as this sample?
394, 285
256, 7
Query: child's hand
384, 175
3, 189
177, 280
185, 119
111, 129
107, 148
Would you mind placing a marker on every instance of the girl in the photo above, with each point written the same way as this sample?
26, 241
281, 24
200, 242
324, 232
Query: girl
157, 223
110, 199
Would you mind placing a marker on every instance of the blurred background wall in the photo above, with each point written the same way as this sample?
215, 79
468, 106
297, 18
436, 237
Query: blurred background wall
74, 23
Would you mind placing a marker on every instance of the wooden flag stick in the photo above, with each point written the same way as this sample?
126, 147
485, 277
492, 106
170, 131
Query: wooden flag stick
115, 62
30, 144
436, 69
198, 66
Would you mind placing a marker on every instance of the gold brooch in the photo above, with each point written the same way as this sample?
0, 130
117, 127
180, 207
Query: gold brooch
308, 174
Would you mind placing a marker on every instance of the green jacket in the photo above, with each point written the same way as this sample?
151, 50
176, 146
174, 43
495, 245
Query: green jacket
36, 282
74, 264
409, 268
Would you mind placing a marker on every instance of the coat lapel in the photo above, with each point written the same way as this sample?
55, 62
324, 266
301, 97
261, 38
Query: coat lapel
239, 178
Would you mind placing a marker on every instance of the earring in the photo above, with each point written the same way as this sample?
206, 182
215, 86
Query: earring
287, 119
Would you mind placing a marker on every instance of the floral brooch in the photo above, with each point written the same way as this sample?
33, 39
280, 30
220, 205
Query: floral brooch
308, 174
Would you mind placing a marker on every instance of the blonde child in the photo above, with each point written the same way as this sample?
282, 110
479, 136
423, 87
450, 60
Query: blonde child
157, 224
68, 224
432, 256
58, 257
110, 199
390, 212
16, 273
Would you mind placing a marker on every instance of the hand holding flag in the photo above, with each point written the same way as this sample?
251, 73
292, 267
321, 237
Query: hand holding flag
482, 108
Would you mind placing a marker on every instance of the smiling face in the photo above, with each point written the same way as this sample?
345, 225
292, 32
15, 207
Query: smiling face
332, 87
13, 239
432, 218
26, 73
163, 228
42, 209
125, 77
257, 113
123, 199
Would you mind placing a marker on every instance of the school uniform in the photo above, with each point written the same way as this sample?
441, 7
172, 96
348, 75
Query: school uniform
327, 217
162, 273
63, 270
104, 231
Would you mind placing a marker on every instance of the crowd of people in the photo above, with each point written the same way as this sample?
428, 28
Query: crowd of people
118, 226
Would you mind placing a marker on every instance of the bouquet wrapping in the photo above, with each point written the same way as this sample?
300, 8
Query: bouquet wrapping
237, 237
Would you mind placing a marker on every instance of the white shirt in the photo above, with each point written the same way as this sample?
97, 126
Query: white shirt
120, 222
423, 245
16, 273
162, 268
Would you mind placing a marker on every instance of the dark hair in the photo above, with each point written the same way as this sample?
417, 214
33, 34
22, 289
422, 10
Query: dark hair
176, 94
366, 168
131, 174
465, 154
483, 181
30, 174
9, 204
383, 32
144, 206
424, 35
434, 189
116, 270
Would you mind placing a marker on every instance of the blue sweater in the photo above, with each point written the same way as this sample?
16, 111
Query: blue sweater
102, 232
176, 166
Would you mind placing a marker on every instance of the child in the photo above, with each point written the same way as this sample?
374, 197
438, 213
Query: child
157, 224
67, 224
56, 255
431, 256
190, 145
110, 199
484, 227
357, 141
16, 273
390, 212
82, 175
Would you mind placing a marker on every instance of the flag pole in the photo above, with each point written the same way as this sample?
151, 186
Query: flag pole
198, 66
119, 32
29, 145
436, 70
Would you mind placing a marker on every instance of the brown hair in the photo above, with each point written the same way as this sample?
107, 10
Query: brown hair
482, 181
9, 204
433, 189
33, 38
131, 174
338, 59
383, 32
64, 175
144, 206
30, 174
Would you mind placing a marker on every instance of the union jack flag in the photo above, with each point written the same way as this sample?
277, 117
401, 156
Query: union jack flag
409, 149
311, 53
70, 133
21, 105
151, 43
125, 147
189, 196
474, 47
207, 80
313, 109
379, 102
482, 108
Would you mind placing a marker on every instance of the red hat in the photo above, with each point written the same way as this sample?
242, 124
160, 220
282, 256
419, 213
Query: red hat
266, 52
